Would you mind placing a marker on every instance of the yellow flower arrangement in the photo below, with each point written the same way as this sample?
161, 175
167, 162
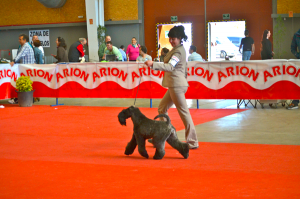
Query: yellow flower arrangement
24, 84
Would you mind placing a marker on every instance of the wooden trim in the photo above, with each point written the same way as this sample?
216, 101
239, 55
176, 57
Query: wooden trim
34, 26
285, 15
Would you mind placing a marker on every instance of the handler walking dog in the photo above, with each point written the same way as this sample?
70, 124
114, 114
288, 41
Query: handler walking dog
145, 128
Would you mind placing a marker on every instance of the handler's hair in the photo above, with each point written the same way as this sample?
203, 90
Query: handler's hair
109, 42
82, 39
246, 32
178, 32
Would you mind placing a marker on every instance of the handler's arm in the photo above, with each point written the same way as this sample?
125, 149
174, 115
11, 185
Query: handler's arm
170, 66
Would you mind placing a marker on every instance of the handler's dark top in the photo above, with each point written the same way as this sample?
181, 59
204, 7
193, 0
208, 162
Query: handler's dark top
247, 43
266, 52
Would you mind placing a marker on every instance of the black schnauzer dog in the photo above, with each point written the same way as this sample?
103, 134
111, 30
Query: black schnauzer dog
145, 128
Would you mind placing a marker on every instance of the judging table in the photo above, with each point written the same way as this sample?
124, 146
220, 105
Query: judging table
261, 79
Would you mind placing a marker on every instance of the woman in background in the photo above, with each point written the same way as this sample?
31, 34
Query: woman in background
132, 51
38, 55
62, 55
266, 52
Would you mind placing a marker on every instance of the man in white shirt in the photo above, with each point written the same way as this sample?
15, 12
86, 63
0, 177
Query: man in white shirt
194, 56
35, 37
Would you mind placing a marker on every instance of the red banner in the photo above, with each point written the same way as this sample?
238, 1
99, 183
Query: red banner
272, 79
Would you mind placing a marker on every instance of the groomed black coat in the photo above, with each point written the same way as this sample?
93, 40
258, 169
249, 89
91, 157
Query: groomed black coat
145, 128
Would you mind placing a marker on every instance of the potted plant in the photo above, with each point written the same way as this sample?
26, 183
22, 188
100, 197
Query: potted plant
24, 90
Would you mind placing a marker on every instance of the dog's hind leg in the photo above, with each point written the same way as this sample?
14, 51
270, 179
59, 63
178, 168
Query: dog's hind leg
181, 147
131, 146
160, 150
141, 145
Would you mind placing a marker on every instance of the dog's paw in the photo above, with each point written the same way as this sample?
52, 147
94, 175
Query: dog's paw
185, 150
157, 157
128, 151
145, 155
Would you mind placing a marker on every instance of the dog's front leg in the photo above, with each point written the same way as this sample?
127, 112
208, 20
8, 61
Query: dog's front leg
141, 145
131, 146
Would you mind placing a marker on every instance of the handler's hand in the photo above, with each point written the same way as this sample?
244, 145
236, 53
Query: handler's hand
53, 55
149, 63
12, 63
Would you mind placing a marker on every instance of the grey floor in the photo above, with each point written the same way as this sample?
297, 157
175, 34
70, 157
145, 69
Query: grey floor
259, 125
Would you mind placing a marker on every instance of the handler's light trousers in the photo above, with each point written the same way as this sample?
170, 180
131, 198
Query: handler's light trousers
176, 95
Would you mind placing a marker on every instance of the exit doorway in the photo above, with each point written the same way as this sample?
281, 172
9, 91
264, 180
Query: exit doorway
224, 39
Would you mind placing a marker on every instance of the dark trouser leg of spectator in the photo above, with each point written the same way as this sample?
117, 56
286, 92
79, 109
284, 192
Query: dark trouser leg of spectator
295, 102
293, 105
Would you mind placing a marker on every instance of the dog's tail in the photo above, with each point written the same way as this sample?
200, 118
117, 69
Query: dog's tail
165, 116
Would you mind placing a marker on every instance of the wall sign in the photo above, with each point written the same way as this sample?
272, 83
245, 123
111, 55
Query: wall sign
43, 35
226, 16
174, 18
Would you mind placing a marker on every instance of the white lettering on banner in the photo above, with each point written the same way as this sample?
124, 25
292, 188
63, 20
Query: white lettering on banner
92, 75
258, 74
213, 75
44, 37
8, 73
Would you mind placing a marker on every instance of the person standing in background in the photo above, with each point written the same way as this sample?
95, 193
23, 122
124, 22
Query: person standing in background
76, 52
103, 46
143, 55
112, 50
62, 55
194, 55
25, 55
266, 52
121, 49
248, 46
38, 55
295, 44
132, 51
34, 38
163, 53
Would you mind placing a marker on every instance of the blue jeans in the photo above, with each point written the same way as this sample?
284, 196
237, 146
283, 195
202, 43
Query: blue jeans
246, 55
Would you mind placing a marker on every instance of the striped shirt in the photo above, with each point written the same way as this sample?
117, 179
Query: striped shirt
195, 57
25, 55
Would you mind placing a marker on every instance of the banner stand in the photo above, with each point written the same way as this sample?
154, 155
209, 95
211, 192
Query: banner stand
57, 103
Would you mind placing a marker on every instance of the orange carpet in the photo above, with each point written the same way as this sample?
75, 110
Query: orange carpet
78, 152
